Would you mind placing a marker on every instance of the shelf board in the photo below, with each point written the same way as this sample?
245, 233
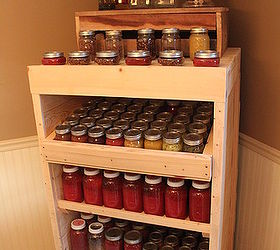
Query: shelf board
133, 216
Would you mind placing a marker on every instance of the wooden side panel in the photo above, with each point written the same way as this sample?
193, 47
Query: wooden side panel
222, 32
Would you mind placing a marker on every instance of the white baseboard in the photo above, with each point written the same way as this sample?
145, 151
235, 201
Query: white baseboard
20, 143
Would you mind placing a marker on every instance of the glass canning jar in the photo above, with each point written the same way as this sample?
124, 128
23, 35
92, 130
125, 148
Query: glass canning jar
140, 125
104, 123
87, 42
92, 186
153, 109
199, 201
205, 110
79, 58
184, 248
206, 58
186, 110
81, 112
190, 241
195, 234
146, 41
129, 116
199, 128
147, 117
72, 120
172, 241
136, 108
177, 232
182, 118
112, 115
171, 58
89, 218
133, 240
133, 192
53, 58
143, 229
157, 238
172, 142
107, 57
172, 106
90, 105
162, 230
138, 57
203, 118
167, 247
114, 42
114, 137
78, 235
79, 133
165, 116
96, 237
122, 124
170, 39
96, 113
63, 132
96, 135
199, 40
113, 239
107, 222
193, 143
150, 246
177, 127
140, 4
133, 138
160, 125
124, 225
106, 4
72, 184
176, 199
105, 106
112, 190
87, 121
153, 197
204, 245
118, 107
153, 139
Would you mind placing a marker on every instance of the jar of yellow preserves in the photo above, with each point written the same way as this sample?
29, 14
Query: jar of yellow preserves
172, 142
133, 138
153, 139
199, 40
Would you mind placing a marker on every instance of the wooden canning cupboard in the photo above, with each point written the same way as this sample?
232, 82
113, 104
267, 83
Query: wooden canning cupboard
58, 90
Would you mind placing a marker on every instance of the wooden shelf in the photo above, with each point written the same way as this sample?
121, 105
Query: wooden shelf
139, 217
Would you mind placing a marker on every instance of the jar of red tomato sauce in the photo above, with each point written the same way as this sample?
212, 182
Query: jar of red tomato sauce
114, 137
78, 235
72, 184
112, 189
133, 192
176, 199
107, 222
153, 195
92, 186
138, 57
133, 240
199, 201
53, 58
79, 134
124, 225
96, 135
113, 239
89, 218
206, 58
63, 132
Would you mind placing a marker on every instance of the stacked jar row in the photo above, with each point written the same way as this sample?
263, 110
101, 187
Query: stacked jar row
153, 196
108, 234
172, 126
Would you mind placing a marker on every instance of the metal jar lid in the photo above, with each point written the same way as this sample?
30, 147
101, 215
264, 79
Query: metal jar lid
96, 113
140, 125
159, 124
79, 130
113, 33
165, 116
193, 139
105, 106
136, 108
87, 121
157, 102
150, 246
104, 122
147, 117
138, 53
138, 226
153, 109
167, 247
122, 124
156, 237
106, 54
78, 54
174, 231
132, 237
78, 224
89, 105
120, 108
132, 134
146, 31
189, 241
152, 134
96, 131
182, 118
112, 115
204, 245
187, 110
96, 228
121, 223
113, 234
199, 30
170, 30
162, 230
206, 54
130, 116
53, 54
114, 133
201, 118
81, 112
72, 120
171, 137
177, 127
206, 110
171, 54
185, 248
86, 33
171, 240
197, 127
62, 129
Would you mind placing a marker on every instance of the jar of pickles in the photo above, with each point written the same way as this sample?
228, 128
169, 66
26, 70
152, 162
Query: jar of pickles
170, 39
199, 128
113, 42
171, 58
193, 143
160, 125
206, 58
114, 137
122, 124
79, 133
153, 139
63, 132
96, 135
87, 121
133, 240
140, 125
146, 41
107, 57
133, 138
113, 239
177, 127
199, 40
96, 237
87, 42
79, 58
172, 142
54, 58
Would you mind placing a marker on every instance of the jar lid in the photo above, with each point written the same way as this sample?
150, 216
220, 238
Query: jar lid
78, 224
198, 30
104, 105
132, 237
96, 131
122, 124
189, 241
186, 110
88, 121
185, 248
140, 101
96, 113
114, 133
62, 129
167, 247
161, 229
172, 54
78, 54
86, 33
204, 110
112, 115
111, 174
137, 108
150, 246
201, 118
146, 31
151, 109
121, 223
165, 116
120, 108
87, 216
103, 219
138, 226
81, 112
156, 237
152, 134
113, 234
157, 102
147, 117
200, 184
140, 125
91, 171
132, 177
171, 137
113, 33
173, 103
89, 105
111, 100
70, 169
178, 232
128, 116
125, 101
106, 53
133, 134
138, 53
96, 228
153, 180
104, 122
177, 127
53, 54
159, 124
171, 240
174, 182
193, 139
170, 30
79, 130
72, 120
206, 54
197, 127
204, 245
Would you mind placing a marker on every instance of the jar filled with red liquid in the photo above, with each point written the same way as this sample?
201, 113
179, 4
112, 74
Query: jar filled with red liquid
72, 184
79, 134
92, 186
63, 132
133, 240
172, 106
107, 222
124, 225
78, 235
142, 228
133, 192
138, 57
96, 238
153, 195
199, 201
53, 58
89, 218
206, 58
112, 189
157, 238
96, 135
176, 199
114, 137
113, 239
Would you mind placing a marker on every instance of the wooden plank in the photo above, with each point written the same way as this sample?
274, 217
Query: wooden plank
222, 32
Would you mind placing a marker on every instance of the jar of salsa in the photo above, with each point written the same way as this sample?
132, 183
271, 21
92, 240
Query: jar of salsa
193, 143
172, 241
79, 58
78, 235
129, 116
150, 246
53, 58
147, 117
157, 238
135, 108
133, 138
199, 201
170, 39
165, 116
124, 225
63, 132
112, 190
96, 237
146, 41
153, 197
87, 42
176, 199
79, 133
107, 222
182, 118
122, 124
107, 57
204, 245
92, 185
140, 125
172, 142
72, 184
171, 58
96, 113
199, 128
133, 240
119, 107
104, 106
203, 118
153, 139
114, 137
143, 229
206, 58
190, 241
138, 57
152, 109
89, 218
112, 115
172, 106
160, 125
113, 239
81, 112
88, 122
177, 127
199, 40
132, 192
72, 120
96, 135
104, 123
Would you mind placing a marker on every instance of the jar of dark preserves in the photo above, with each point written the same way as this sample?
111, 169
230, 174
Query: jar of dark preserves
150, 246
72, 120
81, 112
87, 42
133, 240
146, 41
170, 39
87, 121
96, 135
172, 106
147, 117
113, 239
160, 125
171, 58
138, 57
107, 57
193, 143
135, 108
79, 133
96, 237
63, 133
53, 58
96, 113
124, 225
114, 137
206, 58
129, 116
199, 128
78, 235
89, 218
177, 127
122, 124
140, 125
104, 123
107, 222
190, 241
157, 238
165, 116
79, 58
118, 107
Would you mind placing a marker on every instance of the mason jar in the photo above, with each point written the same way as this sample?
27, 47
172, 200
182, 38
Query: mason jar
199, 40
170, 39
87, 42
146, 41
113, 42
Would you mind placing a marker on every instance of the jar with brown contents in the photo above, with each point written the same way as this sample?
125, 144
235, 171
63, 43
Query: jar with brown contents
165, 116
133, 138
153, 139
146, 41
63, 133
199, 128
122, 124
87, 42
78, 58
107, 57
113, 42
193, 143
140, 125
79, 133
171, 58
172, 142
160, 125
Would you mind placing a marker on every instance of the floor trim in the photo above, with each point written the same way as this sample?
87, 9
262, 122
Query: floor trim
20, 143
